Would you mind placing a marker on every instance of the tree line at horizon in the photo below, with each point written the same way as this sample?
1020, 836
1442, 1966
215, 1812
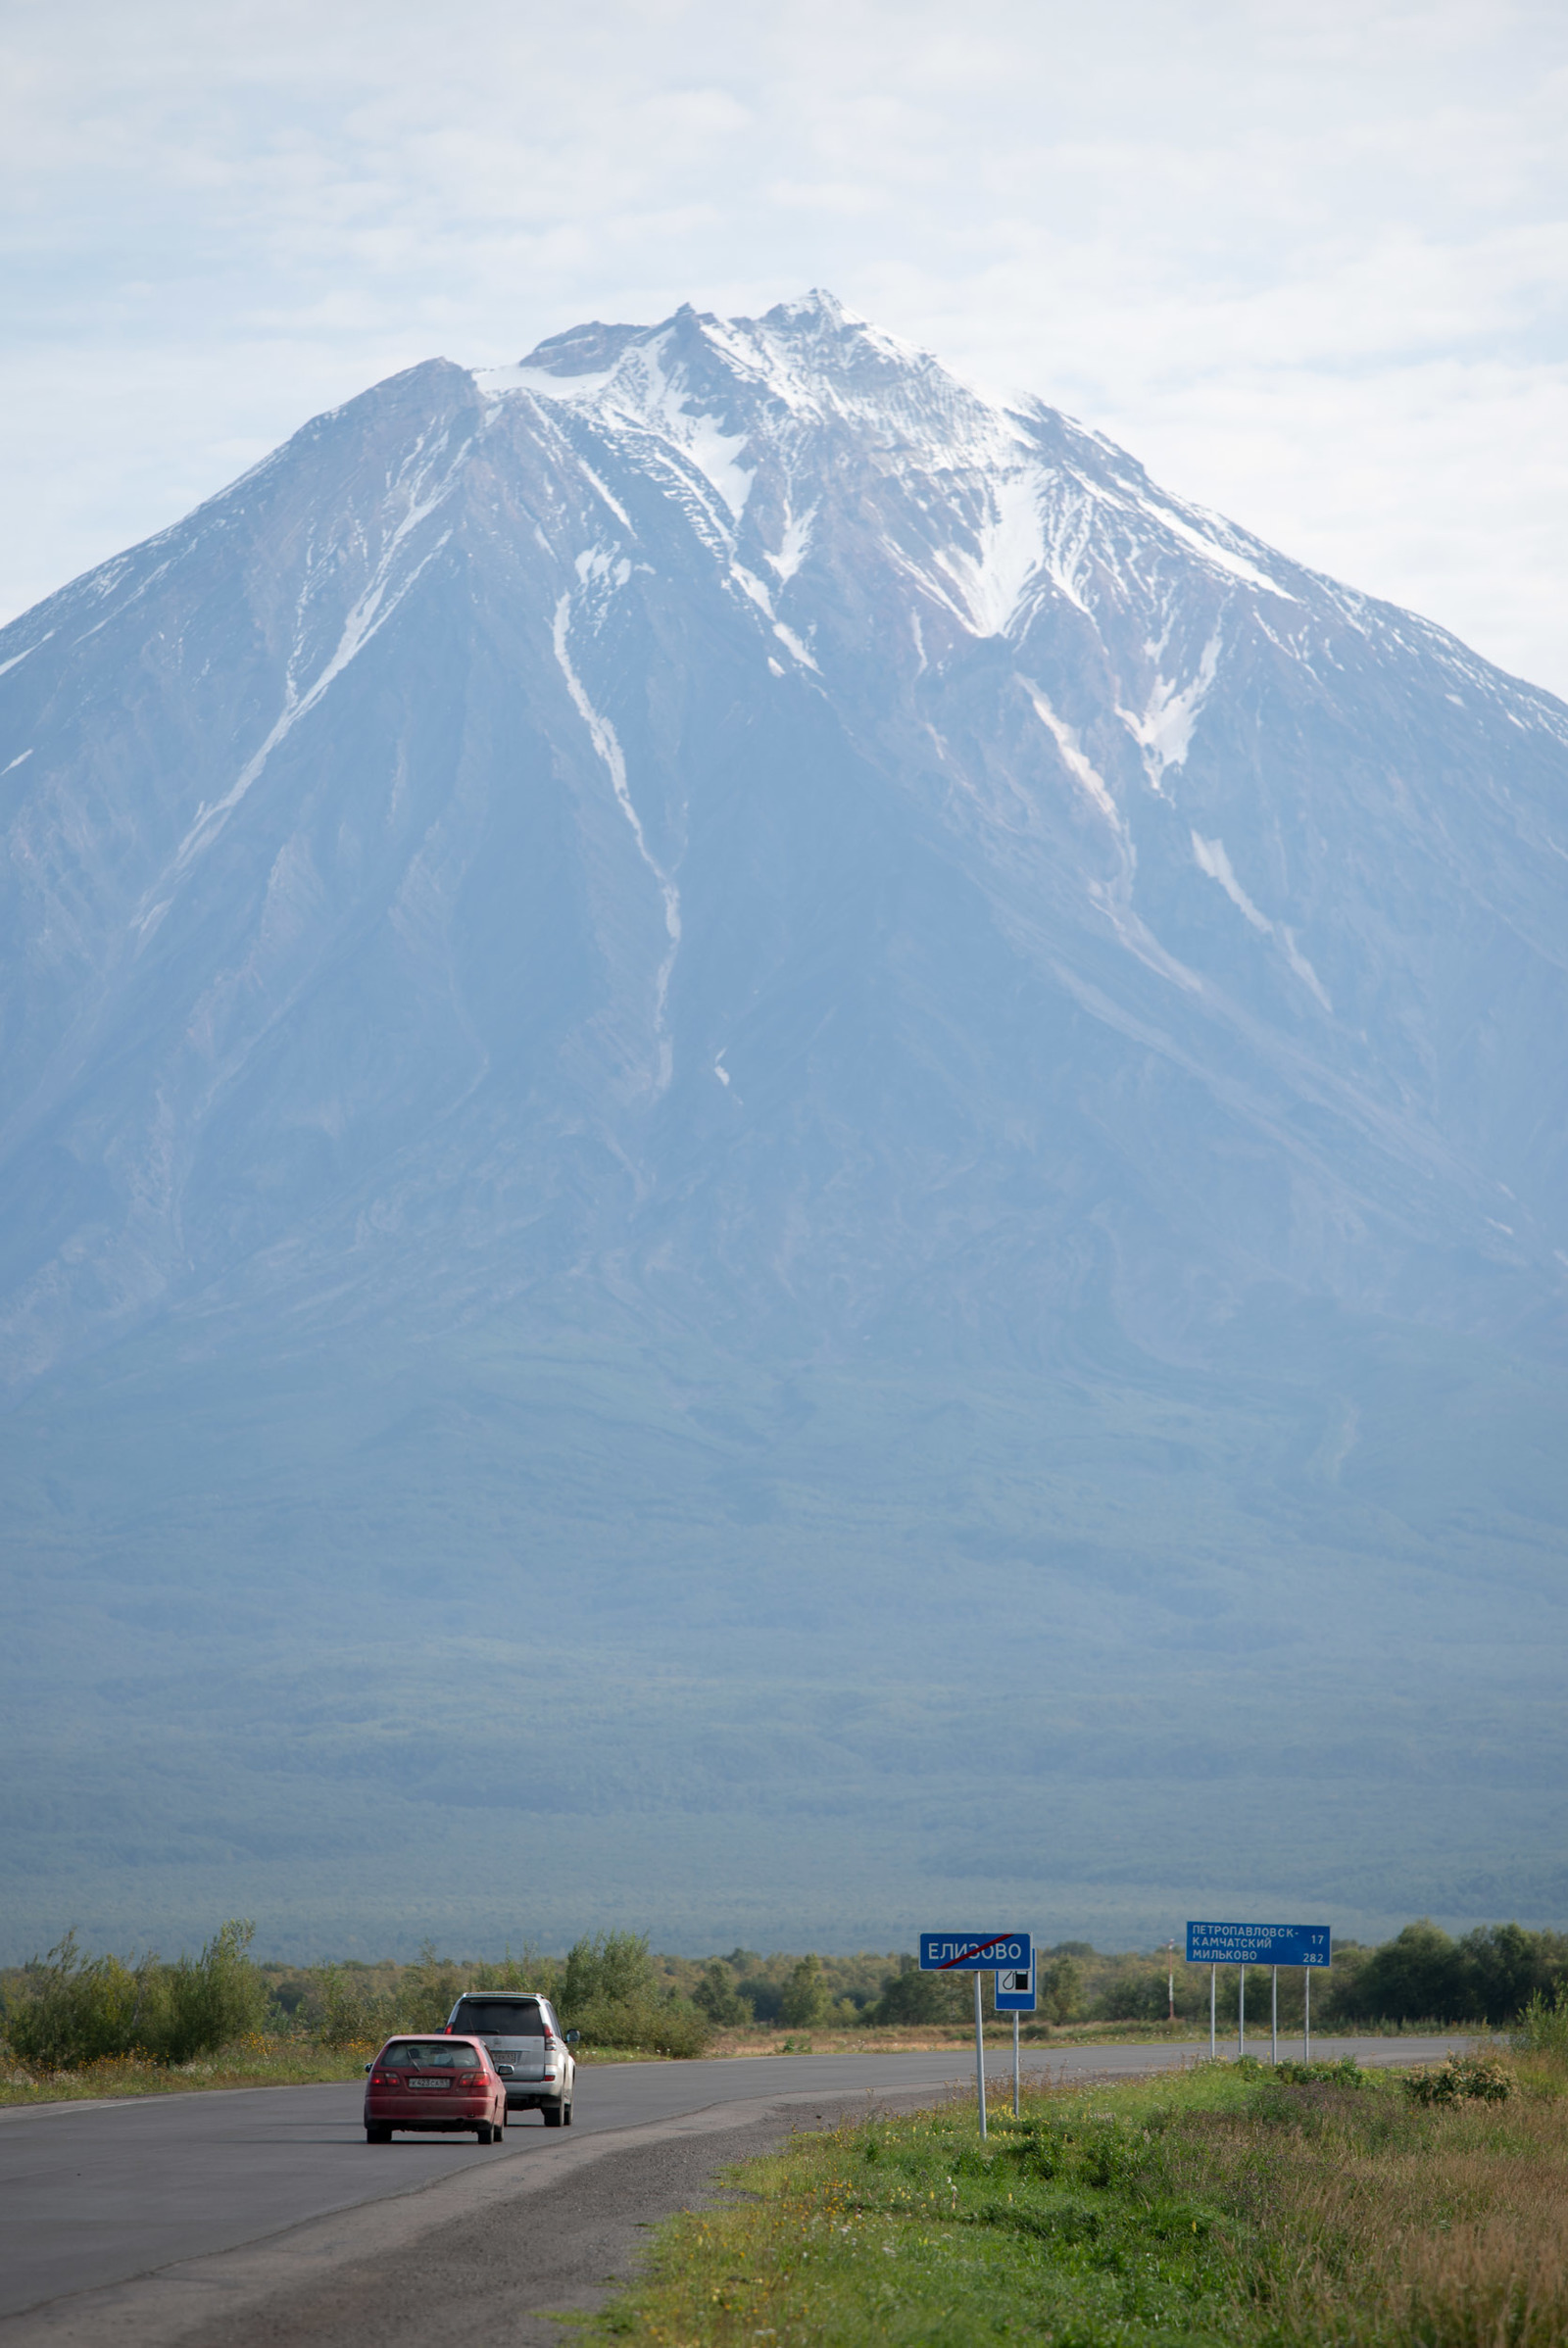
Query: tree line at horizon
68, 2008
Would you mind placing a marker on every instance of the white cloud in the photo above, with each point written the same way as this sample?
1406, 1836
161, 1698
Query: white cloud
1304, 261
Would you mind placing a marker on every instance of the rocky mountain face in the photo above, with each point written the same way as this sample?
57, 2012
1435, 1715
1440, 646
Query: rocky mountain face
718, 817
717, 844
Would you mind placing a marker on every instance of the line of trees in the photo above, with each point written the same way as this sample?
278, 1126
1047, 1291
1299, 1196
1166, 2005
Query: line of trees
68, 2008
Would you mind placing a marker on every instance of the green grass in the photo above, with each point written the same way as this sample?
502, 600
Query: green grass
1225, 2205
254, 2062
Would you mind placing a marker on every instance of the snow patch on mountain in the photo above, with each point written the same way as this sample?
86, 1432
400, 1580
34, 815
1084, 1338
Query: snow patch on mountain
1211, 859
796, 543
1071, 753
607, 742
16, 659
993, 571
750, 585
1224, 558
1164, 730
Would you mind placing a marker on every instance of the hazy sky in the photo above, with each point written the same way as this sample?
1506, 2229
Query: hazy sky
1305, 258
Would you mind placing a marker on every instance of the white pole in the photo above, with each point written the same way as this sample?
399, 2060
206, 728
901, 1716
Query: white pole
1015, 2113
1213, 1992
979, 2059
1306, 2013
1274, 2021
1240, 2012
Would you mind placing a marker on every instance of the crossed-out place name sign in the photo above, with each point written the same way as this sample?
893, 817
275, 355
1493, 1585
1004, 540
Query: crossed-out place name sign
1003, 1953
1258, 1944
976, 1952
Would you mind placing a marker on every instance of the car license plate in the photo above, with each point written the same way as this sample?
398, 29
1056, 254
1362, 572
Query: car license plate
429, 2082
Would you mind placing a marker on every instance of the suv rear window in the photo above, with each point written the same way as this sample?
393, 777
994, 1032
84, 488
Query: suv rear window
499, 2018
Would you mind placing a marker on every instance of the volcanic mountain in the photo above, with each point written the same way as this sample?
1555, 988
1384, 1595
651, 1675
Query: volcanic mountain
705, 1003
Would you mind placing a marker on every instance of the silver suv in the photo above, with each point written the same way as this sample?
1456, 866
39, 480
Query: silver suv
527, 2046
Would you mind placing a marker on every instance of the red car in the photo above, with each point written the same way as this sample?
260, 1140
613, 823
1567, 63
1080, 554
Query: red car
434, 2084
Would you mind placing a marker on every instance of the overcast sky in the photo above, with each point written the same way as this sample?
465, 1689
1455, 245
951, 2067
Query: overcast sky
1306, 259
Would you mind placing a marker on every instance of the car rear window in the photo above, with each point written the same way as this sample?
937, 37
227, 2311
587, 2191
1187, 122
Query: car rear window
428, 2054
499, 2019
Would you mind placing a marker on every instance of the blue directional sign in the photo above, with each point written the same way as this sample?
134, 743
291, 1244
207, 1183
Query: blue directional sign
976, 1952
1015, 1990
1259, 1943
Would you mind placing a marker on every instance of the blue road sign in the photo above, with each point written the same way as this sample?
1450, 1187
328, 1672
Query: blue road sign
1015, 1990
1258, 1943
976, 1952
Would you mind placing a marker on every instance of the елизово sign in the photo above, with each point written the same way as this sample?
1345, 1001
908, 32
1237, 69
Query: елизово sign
1259, 1943
976, 1952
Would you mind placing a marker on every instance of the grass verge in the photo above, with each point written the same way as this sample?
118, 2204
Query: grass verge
255, 2061
1226, 2204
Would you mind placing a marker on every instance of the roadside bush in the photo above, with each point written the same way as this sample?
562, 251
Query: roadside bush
78, 2008
1346, 2073
610, 1991
1544, 2025
1462, 2078
198, 2004
342, 2009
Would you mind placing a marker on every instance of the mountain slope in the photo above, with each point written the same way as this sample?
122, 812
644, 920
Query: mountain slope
730, 881
722, 801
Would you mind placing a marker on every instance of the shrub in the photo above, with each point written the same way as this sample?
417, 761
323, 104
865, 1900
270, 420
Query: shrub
77, 2009
1346, 2073
343, 2010
1462, 2078
198, 2004
1544, 2025
610, 1991
83, 2009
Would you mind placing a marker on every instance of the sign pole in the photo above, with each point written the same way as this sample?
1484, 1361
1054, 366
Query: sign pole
1274, 2021
1213, 1991
1015, 2113
979, 2060
1241, 2013
1306, 2013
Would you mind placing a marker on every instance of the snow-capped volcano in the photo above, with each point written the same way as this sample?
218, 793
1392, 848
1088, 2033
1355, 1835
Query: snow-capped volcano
729, 1081
722, 801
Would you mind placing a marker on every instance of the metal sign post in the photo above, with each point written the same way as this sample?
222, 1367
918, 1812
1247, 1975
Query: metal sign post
1014, 1994
1306, 2018
976, 1953
1308, 1945
979, 2060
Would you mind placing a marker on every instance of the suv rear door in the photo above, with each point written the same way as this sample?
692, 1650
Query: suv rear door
514, 2029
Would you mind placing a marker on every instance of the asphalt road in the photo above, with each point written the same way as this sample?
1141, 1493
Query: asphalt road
261, 2215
